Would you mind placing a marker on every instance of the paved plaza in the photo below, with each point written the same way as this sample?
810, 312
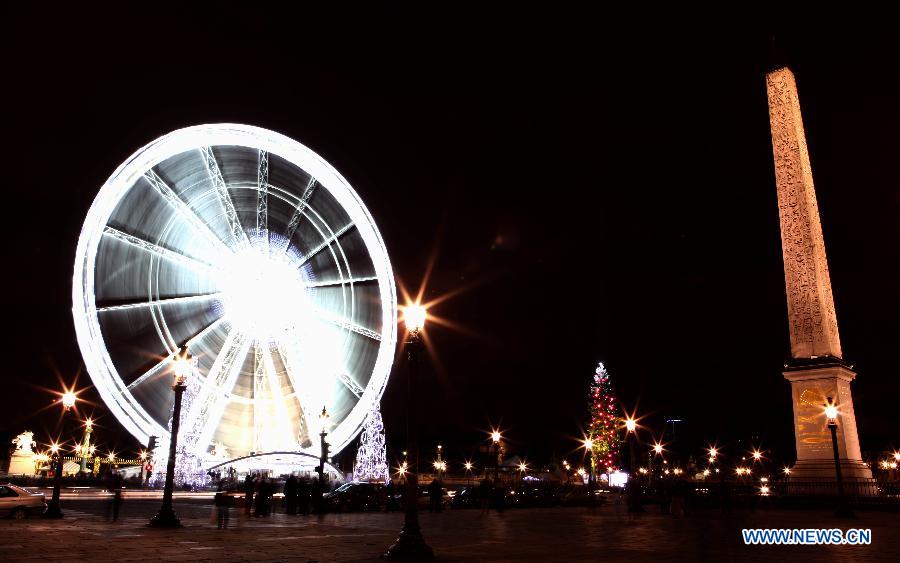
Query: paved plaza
555, 534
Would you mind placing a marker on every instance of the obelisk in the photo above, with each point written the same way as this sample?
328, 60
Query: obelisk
816, 370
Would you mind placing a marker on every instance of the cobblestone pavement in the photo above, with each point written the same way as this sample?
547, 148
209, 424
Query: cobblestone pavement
557, 534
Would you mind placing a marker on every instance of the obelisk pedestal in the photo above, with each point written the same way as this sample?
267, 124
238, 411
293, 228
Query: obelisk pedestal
816, 370
812, 383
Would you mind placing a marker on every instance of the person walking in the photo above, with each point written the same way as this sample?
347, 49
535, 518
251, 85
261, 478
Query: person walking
222, 508
303, 496
263, 498
484, 495
290, 495
434, 494
249, 486
118, 499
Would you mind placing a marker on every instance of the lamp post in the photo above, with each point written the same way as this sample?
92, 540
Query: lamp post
86, 443
323, 456
468, 466
831, 412
495, 438
630, 428
410, 544
657, 451
588, 445
166, 517
53, 510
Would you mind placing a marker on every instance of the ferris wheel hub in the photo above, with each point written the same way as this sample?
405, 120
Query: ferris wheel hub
264, 290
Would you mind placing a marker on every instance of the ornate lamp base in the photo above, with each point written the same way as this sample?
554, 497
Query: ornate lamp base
52, 511
409, 546
165, 518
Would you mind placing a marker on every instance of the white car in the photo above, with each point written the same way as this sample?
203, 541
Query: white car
20, 503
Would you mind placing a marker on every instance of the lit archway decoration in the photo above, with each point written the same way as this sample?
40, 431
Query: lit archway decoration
256, 253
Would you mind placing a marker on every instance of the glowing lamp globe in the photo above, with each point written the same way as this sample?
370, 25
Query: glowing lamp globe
831, 412
495, 436
414, 317
657, 448
68, 400
588, 444
182, 370
630, 424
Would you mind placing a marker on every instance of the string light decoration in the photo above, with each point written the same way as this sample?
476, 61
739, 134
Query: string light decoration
603, 423
371, 457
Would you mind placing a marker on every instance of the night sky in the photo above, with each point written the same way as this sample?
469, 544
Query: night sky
603, 191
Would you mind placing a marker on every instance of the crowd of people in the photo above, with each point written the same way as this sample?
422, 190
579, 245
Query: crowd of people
301, 496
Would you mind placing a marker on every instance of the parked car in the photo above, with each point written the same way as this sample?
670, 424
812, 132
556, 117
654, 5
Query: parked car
351, 497
423, 502
20, 503
579, 496
468, 497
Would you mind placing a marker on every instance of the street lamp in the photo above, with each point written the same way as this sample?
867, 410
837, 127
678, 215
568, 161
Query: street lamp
53, 511
323, 446
588, 445
86, 443
631, 428
468, 466
495, 438
410, 544
183, 368
831, 412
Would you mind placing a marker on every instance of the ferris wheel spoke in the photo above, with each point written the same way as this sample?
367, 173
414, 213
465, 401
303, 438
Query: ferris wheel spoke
259, 369
157, 302
236, 232
345, 281
285, 430
185, 211
160, 251
351, 384
262, 196
346, 324
289, 357
325, 244
165, 362
298, 212
207, 409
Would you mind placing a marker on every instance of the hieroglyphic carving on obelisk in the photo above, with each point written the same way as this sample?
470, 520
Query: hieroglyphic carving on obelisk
811, 316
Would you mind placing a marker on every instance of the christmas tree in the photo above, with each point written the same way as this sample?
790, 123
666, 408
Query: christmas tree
371, 457
603, 423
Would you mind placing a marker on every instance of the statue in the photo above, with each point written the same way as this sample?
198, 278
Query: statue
22, 461
24, 443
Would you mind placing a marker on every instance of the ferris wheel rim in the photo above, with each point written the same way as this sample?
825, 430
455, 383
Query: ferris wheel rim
115, 393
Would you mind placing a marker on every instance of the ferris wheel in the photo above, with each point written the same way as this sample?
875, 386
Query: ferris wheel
250, 249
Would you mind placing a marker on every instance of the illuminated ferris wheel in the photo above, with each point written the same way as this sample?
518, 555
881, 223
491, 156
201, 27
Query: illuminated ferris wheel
254, 252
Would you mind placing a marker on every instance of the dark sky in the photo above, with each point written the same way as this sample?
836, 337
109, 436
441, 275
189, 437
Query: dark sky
606, 188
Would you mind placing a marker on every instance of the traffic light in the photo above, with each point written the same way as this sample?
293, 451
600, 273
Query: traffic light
152, 445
